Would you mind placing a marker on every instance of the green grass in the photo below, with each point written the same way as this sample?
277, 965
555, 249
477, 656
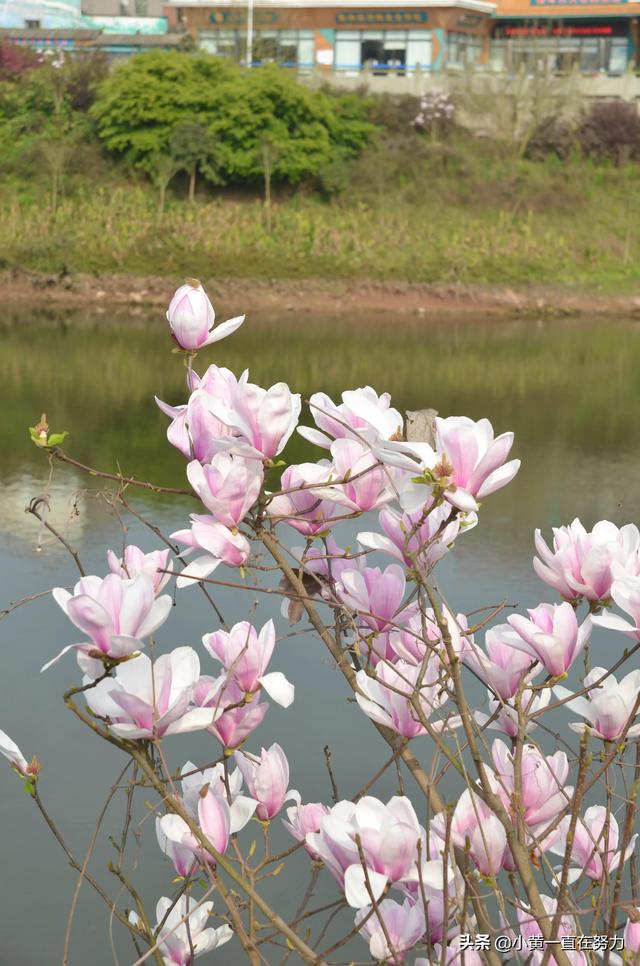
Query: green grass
465, 215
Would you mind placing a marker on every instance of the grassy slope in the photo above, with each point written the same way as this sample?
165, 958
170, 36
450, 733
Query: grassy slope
456, 215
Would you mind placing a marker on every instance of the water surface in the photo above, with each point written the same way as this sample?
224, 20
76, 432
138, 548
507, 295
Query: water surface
570, 391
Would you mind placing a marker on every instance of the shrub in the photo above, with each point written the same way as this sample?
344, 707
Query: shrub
553, 136
611, 130
141, 103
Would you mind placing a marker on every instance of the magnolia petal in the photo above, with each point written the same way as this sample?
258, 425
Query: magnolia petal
355, 889
224, 329
278, 688
69, 647
242, 810
198, 569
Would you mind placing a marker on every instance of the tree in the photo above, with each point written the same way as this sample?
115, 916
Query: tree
193, 147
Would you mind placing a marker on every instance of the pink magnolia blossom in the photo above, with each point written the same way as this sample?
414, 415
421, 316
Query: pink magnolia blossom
530, 927
194, 430
474, 826
181, 942
136, 561
303, 508
506, 719
467, 464
625, 592
172, 831
551, 635
261, 420
236, 719
456, 954
386, 698
221, 545
147, 700
302, 819
374, 593
581, 563
404, 926
10, 750
228, 486
217, 821
362, 414
421, 634
368, 484
631, 935
267, 780
503, 667
245, 655
544, 791
115, 613
412, 542
609, 706
388, 835
191, 318
589, 850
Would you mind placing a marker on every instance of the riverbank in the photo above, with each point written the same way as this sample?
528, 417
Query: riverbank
136, 295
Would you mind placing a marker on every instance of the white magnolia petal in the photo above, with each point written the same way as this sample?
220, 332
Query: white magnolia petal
278, 688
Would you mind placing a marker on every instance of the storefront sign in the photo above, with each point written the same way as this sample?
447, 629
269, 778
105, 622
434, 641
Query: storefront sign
590, 30
382, 17
239, 17
574, 3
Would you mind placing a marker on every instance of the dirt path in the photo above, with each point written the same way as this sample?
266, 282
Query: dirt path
321, 296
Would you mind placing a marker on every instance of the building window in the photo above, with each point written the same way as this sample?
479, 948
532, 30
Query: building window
289, 48
383, 51
32, 24
463, 49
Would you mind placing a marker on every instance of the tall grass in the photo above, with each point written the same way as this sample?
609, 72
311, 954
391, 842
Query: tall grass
524, 223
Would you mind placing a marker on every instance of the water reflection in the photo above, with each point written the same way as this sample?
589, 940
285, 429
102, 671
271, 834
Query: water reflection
570, 391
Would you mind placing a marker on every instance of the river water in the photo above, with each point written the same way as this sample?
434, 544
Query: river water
570, 391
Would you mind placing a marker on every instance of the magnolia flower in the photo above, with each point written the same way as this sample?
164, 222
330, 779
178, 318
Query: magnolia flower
180, 942
194, 430
261, 420
530, 927
506, 719
245, 654
422, 634
413, 542
404, 926
386, 698
367, 484
174, 836
10, 750
302, 819
221, 545
474, 826
217, 820
467, 464
544, 793
581, 563
625, 591
115, 613
504, 667
191, 318
267, 779
228, 486
589, 851
235, 720
147, 700
631, 935
388, 836
135, 561
362, 415
456, 954
300, 505
609, 706
551, 635
375, 594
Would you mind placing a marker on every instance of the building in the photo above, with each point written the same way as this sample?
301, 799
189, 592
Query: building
385, 37
558, 36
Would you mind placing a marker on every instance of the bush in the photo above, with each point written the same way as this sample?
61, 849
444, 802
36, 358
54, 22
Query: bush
611, 131
141, 103
553, 136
